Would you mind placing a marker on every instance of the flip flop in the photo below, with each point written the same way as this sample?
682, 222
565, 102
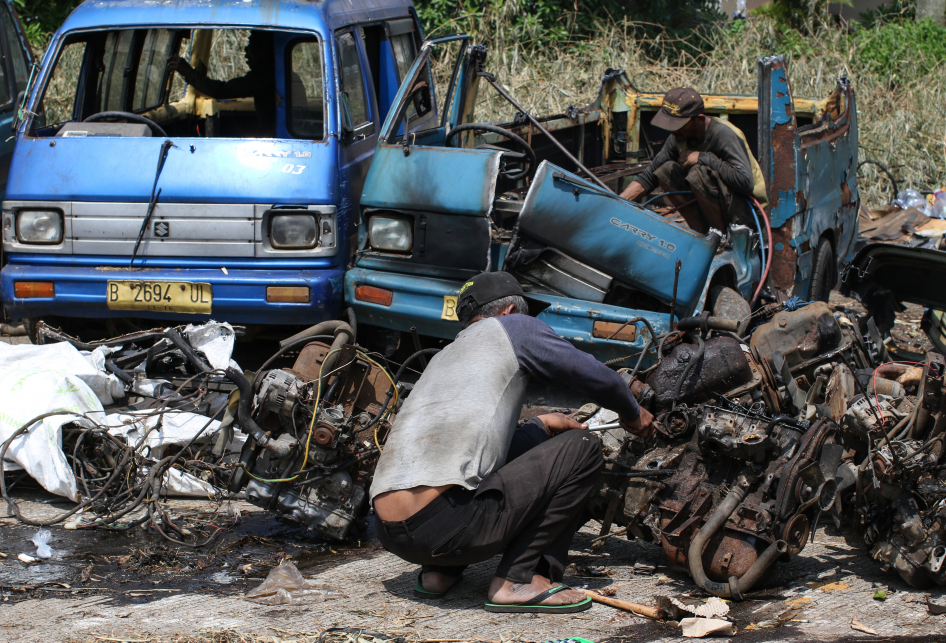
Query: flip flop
532, 606
420, 592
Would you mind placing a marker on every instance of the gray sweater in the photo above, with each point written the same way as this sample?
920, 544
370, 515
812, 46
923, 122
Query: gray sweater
458, 423
722, 150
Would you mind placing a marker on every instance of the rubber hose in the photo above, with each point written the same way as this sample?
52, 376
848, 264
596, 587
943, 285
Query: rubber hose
714, 323
735, 587
885, 387
244, 410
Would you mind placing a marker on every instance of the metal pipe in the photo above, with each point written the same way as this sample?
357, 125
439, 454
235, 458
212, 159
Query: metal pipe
343, 335
492, 81
736, 587
673, 300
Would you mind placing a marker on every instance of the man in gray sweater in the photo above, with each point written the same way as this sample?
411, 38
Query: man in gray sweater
706, 156
458, 482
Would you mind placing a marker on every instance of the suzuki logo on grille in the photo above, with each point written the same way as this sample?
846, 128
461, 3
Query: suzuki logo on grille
162, 229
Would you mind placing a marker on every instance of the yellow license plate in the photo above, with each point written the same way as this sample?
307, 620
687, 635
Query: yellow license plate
160, 296
449, 308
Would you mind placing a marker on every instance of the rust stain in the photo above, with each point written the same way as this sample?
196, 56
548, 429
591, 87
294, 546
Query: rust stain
782, 272
845, 194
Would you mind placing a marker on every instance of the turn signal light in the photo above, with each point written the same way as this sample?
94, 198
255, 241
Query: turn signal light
287, 294
34, 290
374, 295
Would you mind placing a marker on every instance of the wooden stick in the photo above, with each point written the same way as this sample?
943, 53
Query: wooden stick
636, 608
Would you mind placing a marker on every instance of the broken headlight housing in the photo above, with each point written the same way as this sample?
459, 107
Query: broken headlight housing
393, 234
293, 231
39, 226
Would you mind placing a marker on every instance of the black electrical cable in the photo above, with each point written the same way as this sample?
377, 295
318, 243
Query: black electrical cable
893, 181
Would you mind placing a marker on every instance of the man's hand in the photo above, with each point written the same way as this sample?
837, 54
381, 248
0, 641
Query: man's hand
558, 422
689, 159
642, 427
633, 191
178, 64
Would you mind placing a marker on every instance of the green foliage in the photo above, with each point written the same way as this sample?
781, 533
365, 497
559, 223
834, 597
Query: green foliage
566, 24
799, 15
902, 46
42, 17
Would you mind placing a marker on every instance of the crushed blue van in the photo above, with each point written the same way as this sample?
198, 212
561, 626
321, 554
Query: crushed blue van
538, 197
225, 184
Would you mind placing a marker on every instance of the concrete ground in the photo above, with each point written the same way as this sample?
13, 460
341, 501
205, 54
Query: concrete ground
88, 593
116, 587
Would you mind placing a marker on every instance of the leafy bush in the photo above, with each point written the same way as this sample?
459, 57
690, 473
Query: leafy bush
42, 17
902, 45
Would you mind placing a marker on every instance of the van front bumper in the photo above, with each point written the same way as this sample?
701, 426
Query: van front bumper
239, 294
420, 302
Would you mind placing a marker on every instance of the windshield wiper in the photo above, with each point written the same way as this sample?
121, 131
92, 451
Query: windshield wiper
165, 147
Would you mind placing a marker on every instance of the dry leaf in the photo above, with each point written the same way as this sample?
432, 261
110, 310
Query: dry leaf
836, 586
608, 591
798, 602
860, 627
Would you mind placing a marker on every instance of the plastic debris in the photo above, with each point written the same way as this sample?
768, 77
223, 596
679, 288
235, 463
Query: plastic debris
41, 540
699, 627
286, 586
712, 608
26, 558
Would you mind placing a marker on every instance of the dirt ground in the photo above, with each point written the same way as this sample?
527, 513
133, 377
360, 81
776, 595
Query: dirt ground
107, 586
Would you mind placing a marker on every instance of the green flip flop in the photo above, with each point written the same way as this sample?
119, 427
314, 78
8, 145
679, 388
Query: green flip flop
533, 605
420, 592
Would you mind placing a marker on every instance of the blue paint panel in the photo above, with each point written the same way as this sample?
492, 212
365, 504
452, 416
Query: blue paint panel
432, 179
238, 297
418, 302
219, 170
388, 82
635, 246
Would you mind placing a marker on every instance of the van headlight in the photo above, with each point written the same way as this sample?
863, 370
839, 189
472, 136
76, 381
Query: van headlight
39, 226
393, 234
293, 231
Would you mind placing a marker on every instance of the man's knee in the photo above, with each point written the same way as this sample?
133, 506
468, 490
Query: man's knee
586, 448
671, 173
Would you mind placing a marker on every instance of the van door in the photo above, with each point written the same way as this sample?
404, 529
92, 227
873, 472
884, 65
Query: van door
358, 109
14, 75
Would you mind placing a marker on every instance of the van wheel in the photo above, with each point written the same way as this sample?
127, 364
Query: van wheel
824, 272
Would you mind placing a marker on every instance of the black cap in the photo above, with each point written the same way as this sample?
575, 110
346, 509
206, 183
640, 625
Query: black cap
680, 105
490, 286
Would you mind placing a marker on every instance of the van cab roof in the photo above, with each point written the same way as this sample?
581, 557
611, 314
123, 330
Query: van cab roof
313, 15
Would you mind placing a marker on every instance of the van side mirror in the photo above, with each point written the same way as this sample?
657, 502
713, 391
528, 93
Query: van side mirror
348, 127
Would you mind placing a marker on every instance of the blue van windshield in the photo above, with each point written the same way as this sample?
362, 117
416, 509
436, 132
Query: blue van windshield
229, 83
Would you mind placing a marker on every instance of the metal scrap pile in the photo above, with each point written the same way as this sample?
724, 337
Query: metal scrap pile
306, 445
765, 433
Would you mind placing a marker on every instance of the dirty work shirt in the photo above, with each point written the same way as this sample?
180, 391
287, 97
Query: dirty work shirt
458, 423
723, 149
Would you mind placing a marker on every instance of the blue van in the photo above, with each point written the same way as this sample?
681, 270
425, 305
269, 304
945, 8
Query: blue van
185, 159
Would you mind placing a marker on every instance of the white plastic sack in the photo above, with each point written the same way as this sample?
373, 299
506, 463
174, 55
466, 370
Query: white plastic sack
213, 339
40, 379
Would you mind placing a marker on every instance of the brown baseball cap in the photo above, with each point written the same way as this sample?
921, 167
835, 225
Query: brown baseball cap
680, 105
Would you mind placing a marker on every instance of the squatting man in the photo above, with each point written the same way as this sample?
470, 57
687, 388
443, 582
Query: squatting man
458, 482
706, 156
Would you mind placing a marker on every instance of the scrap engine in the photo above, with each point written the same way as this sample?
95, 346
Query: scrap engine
316, 430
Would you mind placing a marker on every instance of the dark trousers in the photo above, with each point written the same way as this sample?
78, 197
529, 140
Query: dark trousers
718, 205
529, 509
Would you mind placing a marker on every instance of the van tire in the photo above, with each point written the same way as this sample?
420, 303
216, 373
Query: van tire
824, 272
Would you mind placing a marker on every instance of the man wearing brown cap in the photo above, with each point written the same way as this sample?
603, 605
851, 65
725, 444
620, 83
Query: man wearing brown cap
706, 156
